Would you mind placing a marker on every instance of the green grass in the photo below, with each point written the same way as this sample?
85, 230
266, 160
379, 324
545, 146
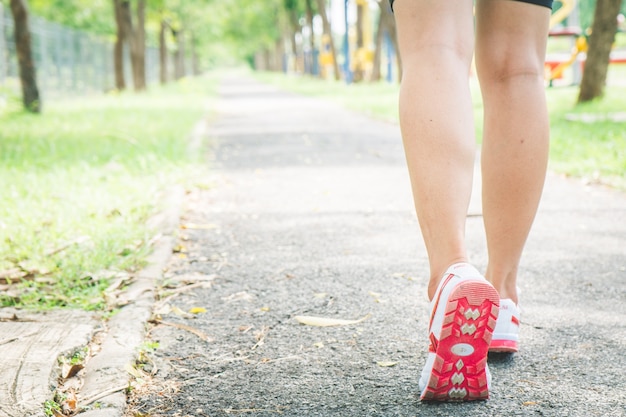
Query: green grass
90, 170
582, 148
593, 150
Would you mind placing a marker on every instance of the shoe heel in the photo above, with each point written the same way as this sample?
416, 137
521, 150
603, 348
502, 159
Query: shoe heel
460, 370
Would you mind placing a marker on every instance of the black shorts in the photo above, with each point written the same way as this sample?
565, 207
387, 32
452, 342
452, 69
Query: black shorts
546, 3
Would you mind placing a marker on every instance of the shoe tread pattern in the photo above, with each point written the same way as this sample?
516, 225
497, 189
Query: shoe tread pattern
459, 372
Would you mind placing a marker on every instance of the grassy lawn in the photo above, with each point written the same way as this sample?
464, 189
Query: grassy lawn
78, 183
580, 146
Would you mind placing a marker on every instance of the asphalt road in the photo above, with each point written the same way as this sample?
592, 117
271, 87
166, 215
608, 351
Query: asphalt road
310, 213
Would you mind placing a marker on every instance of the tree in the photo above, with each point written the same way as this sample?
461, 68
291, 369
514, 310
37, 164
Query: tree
309, 21
600, 42
321, 5
163, 50
134, 35
386, 23
28, 78
139, 47
118, 51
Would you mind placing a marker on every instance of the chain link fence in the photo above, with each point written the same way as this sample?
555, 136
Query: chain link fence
67, 61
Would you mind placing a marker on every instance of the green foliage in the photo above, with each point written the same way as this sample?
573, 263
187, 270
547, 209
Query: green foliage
49, 407
78, 184
586, 10
252, 25
95, 16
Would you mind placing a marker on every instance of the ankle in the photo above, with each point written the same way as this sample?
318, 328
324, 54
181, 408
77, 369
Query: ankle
504, 283
437, 274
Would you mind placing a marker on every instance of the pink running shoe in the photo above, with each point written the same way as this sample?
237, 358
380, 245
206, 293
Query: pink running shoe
506, 333
464, 313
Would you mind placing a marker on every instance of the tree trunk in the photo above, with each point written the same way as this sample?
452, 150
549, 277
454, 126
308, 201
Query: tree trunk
163, 53
139, 37
359, 70
295, 29
126, 20
602, 36
321, 5
390, 25
309, 20
267, 60
179, 56
28, 78
279, 54
136, 37
378, 52
118, 50
386, 23
195, 62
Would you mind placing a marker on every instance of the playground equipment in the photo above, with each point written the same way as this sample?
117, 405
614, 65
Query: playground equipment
326, 57
555, 67
363, 56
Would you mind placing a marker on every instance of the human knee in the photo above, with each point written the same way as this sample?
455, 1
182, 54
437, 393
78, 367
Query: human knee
512, 73
510, 65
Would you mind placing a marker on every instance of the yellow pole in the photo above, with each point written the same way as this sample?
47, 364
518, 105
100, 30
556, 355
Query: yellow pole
562, 13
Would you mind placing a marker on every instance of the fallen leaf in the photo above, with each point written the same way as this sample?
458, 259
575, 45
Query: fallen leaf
179, 249
207, 226
265, 309
190, 329
529, 403
238, 296
134, 371
32, 269
180, 312
11, 274
70, 403
163, 310
386, 364
69, 371
327, 322
197, 310
376, 297
195, 277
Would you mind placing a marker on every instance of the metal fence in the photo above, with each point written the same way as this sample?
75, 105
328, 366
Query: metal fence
67, 61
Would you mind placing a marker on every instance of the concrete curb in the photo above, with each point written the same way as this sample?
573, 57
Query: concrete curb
105, 376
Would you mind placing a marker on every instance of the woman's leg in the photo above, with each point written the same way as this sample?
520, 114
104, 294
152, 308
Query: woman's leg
510, 51
436, 41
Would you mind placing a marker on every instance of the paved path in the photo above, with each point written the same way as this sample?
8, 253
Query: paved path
310, 214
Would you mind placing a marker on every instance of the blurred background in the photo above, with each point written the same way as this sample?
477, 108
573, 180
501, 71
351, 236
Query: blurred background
98, 99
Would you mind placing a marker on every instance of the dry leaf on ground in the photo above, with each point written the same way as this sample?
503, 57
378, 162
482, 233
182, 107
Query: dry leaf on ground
208, 226
327, 322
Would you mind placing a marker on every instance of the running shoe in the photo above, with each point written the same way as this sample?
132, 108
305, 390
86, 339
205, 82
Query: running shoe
505, 335
464, 313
